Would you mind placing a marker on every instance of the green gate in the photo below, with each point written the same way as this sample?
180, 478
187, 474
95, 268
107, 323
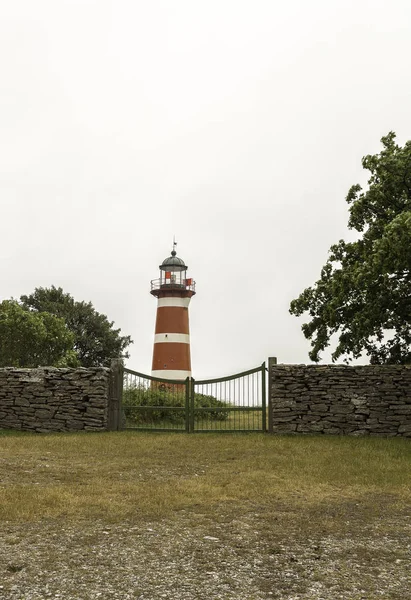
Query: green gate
234, 403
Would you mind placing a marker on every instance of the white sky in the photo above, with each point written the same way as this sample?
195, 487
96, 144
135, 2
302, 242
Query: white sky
236, 125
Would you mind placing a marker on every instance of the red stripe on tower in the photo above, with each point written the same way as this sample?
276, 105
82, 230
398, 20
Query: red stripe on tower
171, 353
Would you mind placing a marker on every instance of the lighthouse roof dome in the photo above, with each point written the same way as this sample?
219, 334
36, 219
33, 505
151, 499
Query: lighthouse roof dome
173, 263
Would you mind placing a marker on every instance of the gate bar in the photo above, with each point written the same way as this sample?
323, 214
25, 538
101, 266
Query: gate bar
230, 378
187, 384
263, 398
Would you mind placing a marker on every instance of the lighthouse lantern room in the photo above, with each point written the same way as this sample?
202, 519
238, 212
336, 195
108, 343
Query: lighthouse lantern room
173, 290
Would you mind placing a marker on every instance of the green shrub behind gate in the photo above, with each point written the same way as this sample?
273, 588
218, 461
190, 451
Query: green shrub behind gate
167, 404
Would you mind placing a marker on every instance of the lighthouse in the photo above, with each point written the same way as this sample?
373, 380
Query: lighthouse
173, 290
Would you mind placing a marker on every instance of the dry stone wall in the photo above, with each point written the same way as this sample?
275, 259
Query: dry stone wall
339, 399
49, 399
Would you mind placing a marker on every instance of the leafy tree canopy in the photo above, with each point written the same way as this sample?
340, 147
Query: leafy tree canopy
34, 339
96, 342
364, 292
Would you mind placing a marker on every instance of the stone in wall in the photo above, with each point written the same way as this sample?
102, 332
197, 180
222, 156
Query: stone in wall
341, 399
51, 399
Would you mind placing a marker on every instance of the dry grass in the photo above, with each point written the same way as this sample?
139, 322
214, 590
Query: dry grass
126, 475
208, 516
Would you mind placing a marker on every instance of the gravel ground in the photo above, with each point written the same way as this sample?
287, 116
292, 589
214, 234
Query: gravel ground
193, 557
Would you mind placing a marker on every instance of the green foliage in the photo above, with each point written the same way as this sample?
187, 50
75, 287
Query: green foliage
34, 339
167, 402
164, 400
364, 291
95, 340
209, 402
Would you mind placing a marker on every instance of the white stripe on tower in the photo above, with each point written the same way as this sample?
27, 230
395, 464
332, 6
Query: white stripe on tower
167, 338
173, 301
169, 374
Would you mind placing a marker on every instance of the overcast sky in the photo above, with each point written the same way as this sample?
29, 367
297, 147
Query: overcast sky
236, 125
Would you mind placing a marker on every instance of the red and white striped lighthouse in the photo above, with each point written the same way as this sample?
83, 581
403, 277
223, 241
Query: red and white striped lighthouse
171, 353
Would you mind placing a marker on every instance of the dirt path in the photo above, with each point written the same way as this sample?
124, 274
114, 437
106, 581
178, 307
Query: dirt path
192, 556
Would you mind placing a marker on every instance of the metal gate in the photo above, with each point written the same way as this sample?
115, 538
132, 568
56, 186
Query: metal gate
234, 403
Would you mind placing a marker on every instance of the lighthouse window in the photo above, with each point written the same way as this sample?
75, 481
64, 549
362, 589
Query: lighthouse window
173, 278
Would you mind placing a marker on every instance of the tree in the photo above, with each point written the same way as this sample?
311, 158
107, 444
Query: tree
95, 340
34, 339
364, 292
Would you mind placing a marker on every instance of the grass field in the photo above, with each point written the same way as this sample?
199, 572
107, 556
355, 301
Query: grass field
236, 420
244, 516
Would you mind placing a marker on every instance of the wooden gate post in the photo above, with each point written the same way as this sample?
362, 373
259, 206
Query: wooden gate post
271, 362
115, 395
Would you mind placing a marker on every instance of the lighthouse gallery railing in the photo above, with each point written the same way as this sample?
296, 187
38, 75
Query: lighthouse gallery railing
224, 404
169, 285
